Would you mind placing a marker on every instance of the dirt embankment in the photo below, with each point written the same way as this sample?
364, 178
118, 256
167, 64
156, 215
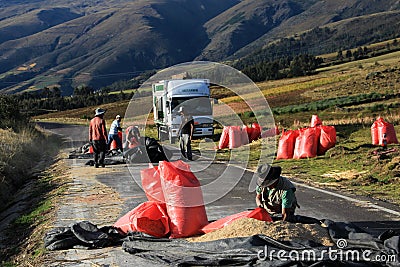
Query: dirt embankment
23, 155
28, 165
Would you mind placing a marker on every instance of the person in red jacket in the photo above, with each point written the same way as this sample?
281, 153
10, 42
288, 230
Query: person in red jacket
98, 137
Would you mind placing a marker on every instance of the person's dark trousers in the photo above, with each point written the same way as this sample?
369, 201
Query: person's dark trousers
186, 146
99, 149
115, 137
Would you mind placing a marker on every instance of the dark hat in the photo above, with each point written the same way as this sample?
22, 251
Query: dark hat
267, 174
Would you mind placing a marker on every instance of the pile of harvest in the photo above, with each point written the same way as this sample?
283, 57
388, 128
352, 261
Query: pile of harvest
282, 231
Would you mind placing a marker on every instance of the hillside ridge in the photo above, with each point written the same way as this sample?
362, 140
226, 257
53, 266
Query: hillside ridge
97, 43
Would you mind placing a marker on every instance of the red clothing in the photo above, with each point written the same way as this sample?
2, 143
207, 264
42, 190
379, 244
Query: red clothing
97, 129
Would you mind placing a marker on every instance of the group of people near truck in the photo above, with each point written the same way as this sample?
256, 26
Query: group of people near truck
274, 192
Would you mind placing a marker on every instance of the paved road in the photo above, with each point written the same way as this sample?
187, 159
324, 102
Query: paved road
230, 185
225, 190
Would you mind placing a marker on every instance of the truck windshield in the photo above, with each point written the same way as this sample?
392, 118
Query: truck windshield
195, 106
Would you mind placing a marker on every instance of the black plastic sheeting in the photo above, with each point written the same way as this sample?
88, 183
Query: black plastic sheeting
82, 235
150, 151
354, 247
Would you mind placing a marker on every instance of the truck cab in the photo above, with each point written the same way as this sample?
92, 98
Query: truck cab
193, 95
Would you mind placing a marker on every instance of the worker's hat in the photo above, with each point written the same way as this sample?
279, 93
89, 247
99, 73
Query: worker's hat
118, 116
267, 174
99, 111
181, 109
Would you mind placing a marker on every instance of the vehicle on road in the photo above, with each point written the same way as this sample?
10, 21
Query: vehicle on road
193, 95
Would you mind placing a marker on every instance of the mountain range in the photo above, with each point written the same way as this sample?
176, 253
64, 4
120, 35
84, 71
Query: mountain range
97, 42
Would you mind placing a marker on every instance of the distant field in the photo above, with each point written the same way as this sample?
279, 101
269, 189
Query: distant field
341, 80
387, 59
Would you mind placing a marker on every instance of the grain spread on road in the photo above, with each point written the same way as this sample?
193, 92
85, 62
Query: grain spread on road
282, 231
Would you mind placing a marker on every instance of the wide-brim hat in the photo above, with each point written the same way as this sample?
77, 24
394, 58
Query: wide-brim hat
99, 111
267, 174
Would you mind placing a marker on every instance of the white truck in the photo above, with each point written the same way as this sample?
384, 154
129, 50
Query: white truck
193, 95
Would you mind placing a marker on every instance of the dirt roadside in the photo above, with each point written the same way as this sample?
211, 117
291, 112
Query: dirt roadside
84, 199
65, 193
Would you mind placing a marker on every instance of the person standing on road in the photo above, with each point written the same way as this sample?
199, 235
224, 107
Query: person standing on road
275, 193
98, 137
113, 134
186, 130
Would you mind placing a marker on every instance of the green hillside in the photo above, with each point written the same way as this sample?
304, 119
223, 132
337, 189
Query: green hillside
97, 43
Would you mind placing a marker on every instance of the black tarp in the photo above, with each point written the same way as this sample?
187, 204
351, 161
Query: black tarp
150, 151
354, 247
82, 234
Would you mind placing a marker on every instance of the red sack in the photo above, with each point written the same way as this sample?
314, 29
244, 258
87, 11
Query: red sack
224, 139
256, 133
286, 144
315, 121
258, 213
184, 199
151, 184
306, 144
382, 127
235, 137
390, 132
327, 139
245, 136
113, 144
149, 217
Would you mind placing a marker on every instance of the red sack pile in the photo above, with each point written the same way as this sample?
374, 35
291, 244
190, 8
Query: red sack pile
381, 127
306, 142
231, 137
236, 136
184, 199
175, 206
149, 217
258, 213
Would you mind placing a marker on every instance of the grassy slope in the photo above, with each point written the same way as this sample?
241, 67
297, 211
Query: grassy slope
353, 164
28, 185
